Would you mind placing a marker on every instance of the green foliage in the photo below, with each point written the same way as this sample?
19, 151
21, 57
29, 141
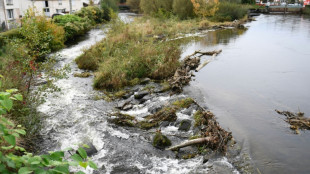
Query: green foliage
13, 33
248, 1
93, 13
51, 163
183, 8
41, 35
73, 25
306, 10
229, 12
113, 4
134, 5
184, 103
152, 7
106, 12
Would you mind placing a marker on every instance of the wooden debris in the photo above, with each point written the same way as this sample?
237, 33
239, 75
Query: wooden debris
183, 74
212, 134
296, 120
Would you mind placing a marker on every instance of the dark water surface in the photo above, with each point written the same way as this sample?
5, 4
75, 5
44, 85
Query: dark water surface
264, 68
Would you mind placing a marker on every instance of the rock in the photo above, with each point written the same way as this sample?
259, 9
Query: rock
144, 99
145, 80
155, 108
185, 125
141, 94
91, 150
126, 96
164, 123
160, 141
101, 170
127, 107
122, 104
125, 169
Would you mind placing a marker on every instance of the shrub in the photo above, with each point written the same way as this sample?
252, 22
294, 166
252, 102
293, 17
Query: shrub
229, 12
111, 4
13, 33
183, 8
41, 35
73, 25
134, 5
106, 12
204, 8
152, 7
93, 13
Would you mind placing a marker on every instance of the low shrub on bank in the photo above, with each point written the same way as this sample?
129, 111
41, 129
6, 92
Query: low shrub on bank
93, 13
229, 12
73, 25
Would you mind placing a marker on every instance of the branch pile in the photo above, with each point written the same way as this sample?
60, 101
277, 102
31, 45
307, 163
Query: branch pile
296, 120
183, 74
212, 134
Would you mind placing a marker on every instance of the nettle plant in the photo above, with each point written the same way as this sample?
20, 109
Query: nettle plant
52, 163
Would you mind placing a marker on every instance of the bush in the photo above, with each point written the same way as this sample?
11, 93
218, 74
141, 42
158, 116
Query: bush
73, 25
183, 8
106, 12
151, 7
41, 35
111, 4
13, 33
229, 12
93, 13
134, 5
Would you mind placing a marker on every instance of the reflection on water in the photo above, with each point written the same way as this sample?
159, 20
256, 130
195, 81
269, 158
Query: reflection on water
260, 70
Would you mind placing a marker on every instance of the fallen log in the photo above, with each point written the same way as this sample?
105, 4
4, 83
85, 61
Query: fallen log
191, 142
215, 53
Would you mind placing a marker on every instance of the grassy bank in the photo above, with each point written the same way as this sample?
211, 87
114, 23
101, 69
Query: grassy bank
147, 47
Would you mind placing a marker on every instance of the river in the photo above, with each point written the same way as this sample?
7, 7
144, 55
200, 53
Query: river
261, 69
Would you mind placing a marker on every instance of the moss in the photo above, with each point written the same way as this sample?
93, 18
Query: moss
161, 141
82, 75
120, 94
123, 120
134, 81
199, 120
165, 86
149, 88
147, 125
189, 156
184, 103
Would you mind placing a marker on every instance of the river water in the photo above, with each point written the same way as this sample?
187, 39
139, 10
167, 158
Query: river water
74, 116
263, 68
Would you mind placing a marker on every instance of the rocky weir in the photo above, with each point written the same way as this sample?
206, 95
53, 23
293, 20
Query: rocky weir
133, 132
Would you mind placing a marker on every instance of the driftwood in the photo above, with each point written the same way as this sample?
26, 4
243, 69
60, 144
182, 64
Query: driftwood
183, 74
208, 61
212, 135
203, 140
296, 120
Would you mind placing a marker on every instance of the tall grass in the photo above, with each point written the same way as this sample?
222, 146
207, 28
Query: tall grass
137, 50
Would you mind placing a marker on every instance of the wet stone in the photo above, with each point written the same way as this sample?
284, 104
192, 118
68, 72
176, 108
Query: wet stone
141, 94
154, 109
144, 99
185, 125
100, 170
91, 150
164, 124
125, 169
127, 107
126, 96
122, 104
145, 80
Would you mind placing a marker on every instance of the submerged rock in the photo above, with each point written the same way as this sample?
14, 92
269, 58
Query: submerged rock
125, 169
185, 125
160, 141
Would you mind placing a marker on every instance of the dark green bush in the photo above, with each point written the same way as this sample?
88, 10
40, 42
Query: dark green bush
93, 13
106, 12
14, 33
229, 12
183, 8
111, 4
152, 7
73, 25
